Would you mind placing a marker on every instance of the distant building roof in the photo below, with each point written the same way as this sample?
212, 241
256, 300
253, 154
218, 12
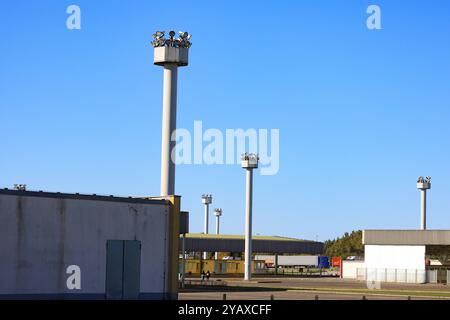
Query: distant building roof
78, 196
261, 244
239, 236
406, 237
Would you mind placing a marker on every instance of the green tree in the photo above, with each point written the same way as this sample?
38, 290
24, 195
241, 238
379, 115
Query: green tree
347, 245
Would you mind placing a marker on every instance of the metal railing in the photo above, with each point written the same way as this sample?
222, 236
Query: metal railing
394, 275
207, 283
293, 272
432, 276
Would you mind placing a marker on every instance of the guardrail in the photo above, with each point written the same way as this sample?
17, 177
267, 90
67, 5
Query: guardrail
293, 272
207, 283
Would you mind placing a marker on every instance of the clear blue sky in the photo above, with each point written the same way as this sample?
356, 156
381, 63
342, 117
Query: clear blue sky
362, 113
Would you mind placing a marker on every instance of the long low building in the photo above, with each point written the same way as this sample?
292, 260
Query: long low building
401, 255
224, 244
200, 242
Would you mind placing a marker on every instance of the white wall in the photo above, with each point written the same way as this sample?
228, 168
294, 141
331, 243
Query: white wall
395, 263
350, 268
395, 257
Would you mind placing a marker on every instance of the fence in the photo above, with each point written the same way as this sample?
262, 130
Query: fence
392, 275
438, 275
432, 276
217, 267
292, 272
204, 283
404, 275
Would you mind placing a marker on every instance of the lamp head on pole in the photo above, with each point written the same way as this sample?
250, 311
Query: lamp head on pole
20, 187
218, 212
424, 183
249, 160
171, 49
206, 199
183, 40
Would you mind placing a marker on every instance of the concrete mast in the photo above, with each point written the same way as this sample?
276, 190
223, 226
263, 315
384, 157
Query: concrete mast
218, 214
169, 53
249, 162
423, 185
206, 200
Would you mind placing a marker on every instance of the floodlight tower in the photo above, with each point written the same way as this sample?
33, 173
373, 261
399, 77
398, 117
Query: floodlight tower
218, 214
249, 162
423, 185
169, 53
206, 200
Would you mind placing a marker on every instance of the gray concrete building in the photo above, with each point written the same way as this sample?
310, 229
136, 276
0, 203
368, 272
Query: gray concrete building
72, 246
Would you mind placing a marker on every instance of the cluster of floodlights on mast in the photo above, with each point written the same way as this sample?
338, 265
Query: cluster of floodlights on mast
170, 53
183, 40
249, 161
423, 184
206, 200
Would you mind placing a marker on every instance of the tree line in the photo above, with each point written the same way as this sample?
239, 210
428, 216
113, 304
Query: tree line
347, 245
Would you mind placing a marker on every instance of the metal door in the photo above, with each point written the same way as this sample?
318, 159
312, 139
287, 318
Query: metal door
131, 270
123, 264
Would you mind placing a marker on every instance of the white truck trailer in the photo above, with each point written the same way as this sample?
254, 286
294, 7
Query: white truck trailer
290, 261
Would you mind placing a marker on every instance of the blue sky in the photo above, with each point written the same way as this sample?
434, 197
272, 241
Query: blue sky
362, 113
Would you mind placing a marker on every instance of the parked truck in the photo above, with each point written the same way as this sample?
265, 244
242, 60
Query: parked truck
295, 261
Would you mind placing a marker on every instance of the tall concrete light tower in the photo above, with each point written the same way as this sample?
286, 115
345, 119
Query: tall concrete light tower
423, 185
249, 162
206, 200
218, 214
169, 53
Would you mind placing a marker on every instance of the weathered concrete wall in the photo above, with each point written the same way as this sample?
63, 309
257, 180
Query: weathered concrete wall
41, 236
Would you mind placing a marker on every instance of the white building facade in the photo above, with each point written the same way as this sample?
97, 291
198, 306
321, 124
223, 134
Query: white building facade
400, 255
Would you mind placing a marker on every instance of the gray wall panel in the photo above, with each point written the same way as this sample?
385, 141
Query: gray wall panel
41, 236
406, 237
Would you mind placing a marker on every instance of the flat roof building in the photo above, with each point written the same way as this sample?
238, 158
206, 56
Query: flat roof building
403, 255
73, 246
261, 244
